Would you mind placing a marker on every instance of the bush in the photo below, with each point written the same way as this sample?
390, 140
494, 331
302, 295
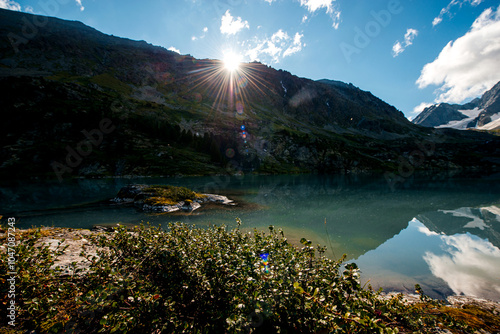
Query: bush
170, 194
194, 280
43, 298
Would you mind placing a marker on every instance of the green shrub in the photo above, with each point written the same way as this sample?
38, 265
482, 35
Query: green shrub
213, 280
172, 194
43, 298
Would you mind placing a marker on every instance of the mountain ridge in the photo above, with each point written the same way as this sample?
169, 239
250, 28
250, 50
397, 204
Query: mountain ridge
296, 86
175, 114
481, 113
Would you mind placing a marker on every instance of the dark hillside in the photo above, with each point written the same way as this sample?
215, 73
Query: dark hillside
167, 114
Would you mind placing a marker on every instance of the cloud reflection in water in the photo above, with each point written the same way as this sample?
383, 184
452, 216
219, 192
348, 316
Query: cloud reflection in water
469, 265
458, 263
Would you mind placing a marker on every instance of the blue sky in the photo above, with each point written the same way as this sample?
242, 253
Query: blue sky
409, 53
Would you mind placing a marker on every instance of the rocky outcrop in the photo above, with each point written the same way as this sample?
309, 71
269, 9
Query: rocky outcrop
148, 199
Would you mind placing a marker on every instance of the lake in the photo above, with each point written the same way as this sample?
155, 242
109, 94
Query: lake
440, 232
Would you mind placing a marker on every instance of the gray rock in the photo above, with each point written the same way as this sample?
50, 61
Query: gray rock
161, 208
129, 193
218, 199
188, 207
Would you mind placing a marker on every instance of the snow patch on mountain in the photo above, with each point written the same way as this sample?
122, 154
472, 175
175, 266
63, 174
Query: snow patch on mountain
463, 123
495, 123
284, 88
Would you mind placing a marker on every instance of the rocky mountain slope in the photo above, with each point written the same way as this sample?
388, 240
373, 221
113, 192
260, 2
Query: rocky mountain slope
481, 113
79, 102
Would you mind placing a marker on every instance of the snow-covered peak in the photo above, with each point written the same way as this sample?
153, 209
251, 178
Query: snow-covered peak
481, 113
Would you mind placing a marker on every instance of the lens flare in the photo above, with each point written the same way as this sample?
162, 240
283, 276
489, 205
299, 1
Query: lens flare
229, 84
242, 82
239, 107
230, 153
232, 61
265, 262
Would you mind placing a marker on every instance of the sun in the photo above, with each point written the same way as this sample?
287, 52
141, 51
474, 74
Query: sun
232, 61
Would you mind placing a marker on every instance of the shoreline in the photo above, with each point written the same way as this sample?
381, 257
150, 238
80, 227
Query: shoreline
71, 274
467, 173
77, 240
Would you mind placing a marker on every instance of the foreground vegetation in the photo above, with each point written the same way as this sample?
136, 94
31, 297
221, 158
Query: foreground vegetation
213, 280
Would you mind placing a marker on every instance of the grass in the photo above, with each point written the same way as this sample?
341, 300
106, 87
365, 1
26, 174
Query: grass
475, 317
158, 200
108, 81
29, 233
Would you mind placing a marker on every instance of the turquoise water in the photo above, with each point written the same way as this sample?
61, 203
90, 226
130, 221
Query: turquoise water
441, 233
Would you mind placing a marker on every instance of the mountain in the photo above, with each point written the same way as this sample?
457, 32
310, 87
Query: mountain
77, 102
482, 114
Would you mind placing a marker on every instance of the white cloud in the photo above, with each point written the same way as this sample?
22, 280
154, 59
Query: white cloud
9, 4
174, 49
295, 47
314, 5
205, 30
436, 21
269, 1
279, 35
399, 47
469, 265
336, 20
447, 10
231, 26
297, 38
410, 35
253, 53
418, 109
304, 18
29, 9
275, 48
468, 66
79, 3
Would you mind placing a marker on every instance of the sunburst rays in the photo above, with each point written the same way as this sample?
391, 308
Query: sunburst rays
232, 87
